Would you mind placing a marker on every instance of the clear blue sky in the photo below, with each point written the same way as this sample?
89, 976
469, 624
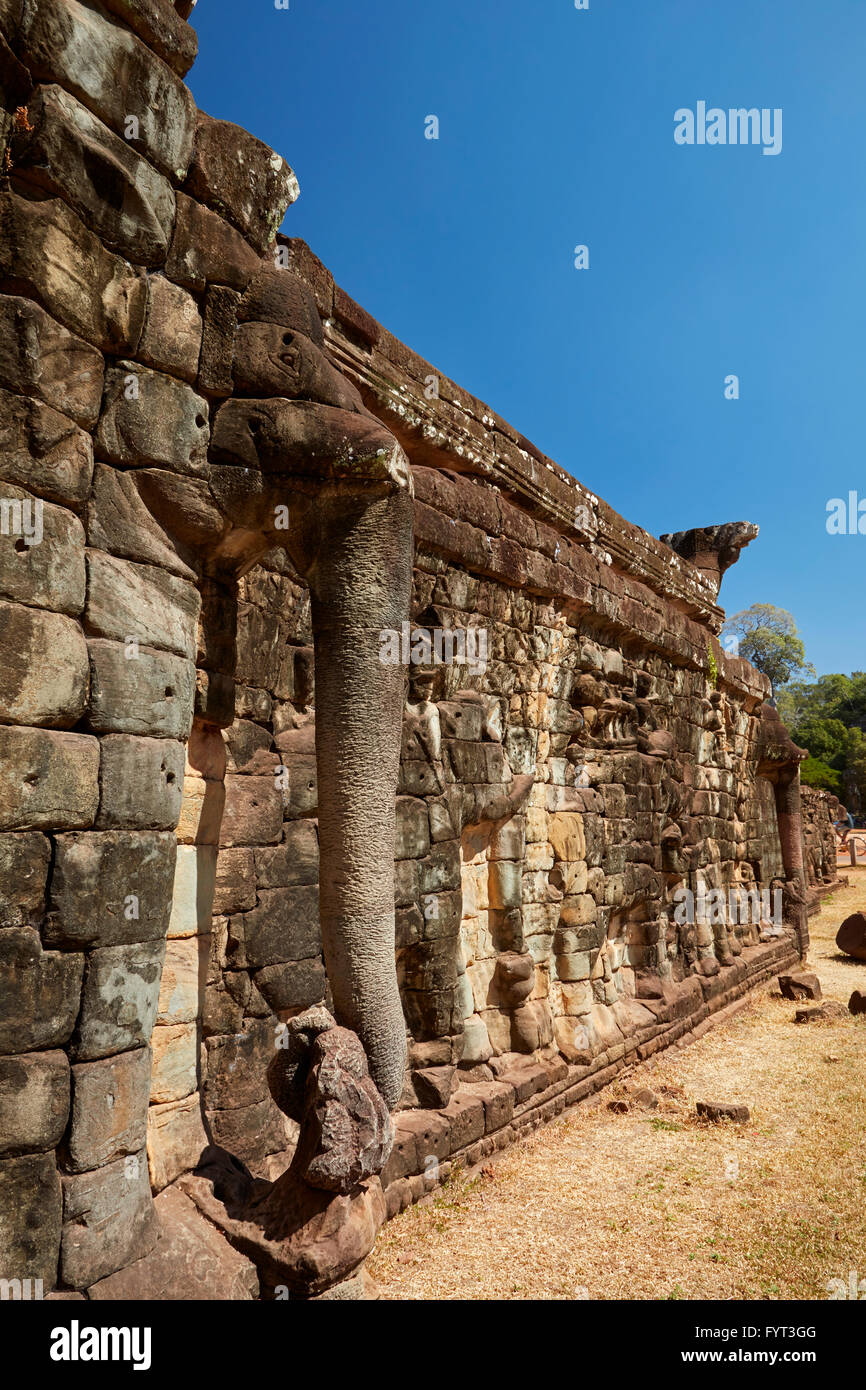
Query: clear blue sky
556, 128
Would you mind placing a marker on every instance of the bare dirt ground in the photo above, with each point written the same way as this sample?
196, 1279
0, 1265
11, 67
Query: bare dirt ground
659, 1205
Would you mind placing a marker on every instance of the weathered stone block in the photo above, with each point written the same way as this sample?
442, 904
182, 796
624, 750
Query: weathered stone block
162, 28
294, 985
465, 1115
236, 1067
137, 602
566, 834
48, 779
233, 171
244, 743
184, 973
284, 926
215, 374
176, 1139
114, 74
295, 861
121, 990
44, 674
251, 1132
171, 340
34, 1101
40, 992
141, 783
253, 812
193, 892
120, 521
39, 357
190, 1257
121, 196
149, 418
24, 864
235, 889
41, 553
151, 695
175, 1062
412, 839
30, 1218
43, 451
52, 256
111, 888
108, 1221
205, 248
109, 1110
201, 811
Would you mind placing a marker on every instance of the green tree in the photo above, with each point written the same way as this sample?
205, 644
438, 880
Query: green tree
814, 773
768, 637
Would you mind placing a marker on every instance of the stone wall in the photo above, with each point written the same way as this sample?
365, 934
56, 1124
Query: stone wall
820, 811
160, 809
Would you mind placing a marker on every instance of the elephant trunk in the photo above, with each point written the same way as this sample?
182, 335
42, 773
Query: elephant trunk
360, 579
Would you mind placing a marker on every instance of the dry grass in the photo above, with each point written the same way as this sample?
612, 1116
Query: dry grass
658, 1205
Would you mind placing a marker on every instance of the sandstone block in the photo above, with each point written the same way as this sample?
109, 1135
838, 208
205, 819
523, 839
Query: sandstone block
412, 834
250, 1132
233, 171
108, 1221
190, 1257
24, 864
193, 891
721, 1110
48, 779
236, 1067
122, 197
114, 74
30, 1218
111, 888
141, 783
162, 28
120, 521
121, 990
201, 811
34, 1101
184, 973
109, 1109
171, 340
235, 889
497, 1097
52, 256
293, 985
851, 936
41, 553
43, 451
215, 373
566, 834
40, 993
175, 1062
253, 812
137, 602
176, 1139
801, 985
44, 675
149, 418
39, 357
151, 695
295, 861
284, 926
205, 248
434, 1086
